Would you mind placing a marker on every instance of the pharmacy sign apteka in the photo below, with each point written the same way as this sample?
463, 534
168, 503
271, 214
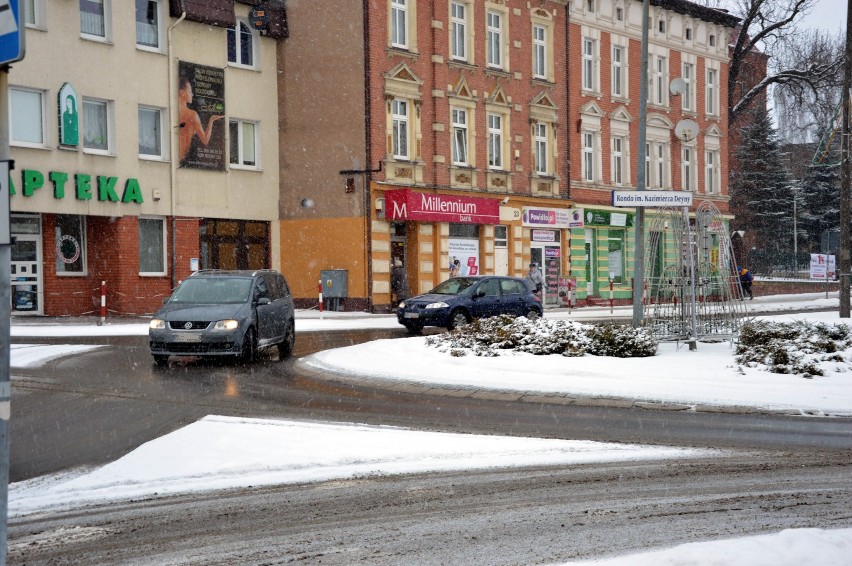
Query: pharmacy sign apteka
652, 199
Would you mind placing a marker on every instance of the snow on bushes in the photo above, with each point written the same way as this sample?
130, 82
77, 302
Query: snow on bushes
487, 337
804, 348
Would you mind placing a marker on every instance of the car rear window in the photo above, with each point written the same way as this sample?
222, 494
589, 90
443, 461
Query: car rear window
213, 291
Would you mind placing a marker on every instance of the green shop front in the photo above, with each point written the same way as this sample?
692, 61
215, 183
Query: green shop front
602, 253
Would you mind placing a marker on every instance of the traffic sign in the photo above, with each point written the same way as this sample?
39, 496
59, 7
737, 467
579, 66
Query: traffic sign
11, 31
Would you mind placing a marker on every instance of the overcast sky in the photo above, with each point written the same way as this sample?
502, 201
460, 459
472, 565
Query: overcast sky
828, 14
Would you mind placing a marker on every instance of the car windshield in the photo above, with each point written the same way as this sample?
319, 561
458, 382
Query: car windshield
213, 291
455, 286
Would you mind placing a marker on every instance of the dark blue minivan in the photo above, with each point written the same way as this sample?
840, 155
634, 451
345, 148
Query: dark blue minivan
459, 300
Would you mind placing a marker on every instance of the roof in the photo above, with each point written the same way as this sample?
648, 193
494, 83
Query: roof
713, 15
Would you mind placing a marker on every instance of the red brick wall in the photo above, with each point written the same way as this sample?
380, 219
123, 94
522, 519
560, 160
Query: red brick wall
436, 76
112, 247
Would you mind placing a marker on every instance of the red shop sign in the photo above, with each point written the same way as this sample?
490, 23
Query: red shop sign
405, 204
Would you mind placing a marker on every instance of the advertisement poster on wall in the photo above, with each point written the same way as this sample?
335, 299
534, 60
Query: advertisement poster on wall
201, 113
467, 252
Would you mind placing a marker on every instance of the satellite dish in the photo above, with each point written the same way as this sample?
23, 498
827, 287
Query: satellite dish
678, 86
686, 130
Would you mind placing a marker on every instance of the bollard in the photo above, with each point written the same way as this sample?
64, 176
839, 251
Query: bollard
319, 288
611, 297
103, 304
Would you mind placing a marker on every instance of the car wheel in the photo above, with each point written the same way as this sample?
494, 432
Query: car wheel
160, 360
414, 328
457, 318
533, 314
285, 348
249, 347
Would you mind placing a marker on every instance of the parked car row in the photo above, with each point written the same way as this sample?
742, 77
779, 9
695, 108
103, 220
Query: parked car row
219, 313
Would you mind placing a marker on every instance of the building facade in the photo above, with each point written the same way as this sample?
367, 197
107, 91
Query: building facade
686, 85
145, 146
418, 132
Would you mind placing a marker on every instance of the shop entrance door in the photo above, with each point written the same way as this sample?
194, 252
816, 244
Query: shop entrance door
549, 259
501, 250
26, 280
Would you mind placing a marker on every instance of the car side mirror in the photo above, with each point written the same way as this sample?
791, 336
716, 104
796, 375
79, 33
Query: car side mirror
479, 293
263, 301
166, 299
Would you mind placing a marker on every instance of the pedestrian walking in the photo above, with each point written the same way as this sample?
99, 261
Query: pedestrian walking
746, 279
536, 280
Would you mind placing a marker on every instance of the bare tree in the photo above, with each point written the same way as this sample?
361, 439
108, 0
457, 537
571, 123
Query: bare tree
795, 64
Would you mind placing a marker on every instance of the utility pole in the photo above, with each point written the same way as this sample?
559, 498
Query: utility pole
843, 262
639, 239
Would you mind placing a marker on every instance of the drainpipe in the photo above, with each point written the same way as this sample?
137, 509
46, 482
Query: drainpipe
173, 149
368, 148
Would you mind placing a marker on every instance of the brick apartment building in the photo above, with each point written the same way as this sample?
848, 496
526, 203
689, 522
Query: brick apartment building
414, 132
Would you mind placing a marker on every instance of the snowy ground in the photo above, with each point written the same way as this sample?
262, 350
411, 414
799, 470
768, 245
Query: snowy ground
190, 459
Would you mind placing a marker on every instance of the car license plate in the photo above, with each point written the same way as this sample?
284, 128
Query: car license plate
411, 315
189, 337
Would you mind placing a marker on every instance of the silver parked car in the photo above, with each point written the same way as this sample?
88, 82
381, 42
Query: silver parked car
225, 313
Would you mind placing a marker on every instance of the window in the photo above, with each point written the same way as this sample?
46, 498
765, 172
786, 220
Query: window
656, 165
686, 169
34, 13
495, 141
619, 14
539, 52
243, 143
152, 248
70, 245
661, 25
148, 23
97, 125
590, 5
540, 148
618, 70
399, 114
459, 120
588, 156
458, 31
710, 99
687, 34
712, 178
689, 89
712, 40
399, 23
589, 74
494, 39
242, 43
26, 113
94, 19
618, 161
151, 132
659, 81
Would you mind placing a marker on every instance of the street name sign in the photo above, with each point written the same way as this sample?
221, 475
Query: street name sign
11, 32
652, 199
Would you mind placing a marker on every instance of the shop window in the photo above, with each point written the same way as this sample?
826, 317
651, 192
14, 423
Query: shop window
616, 256
152, 247
464, 230
70, 245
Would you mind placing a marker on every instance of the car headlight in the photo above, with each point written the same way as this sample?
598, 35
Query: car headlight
227, 325
402, 304
441, 305
157, 324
